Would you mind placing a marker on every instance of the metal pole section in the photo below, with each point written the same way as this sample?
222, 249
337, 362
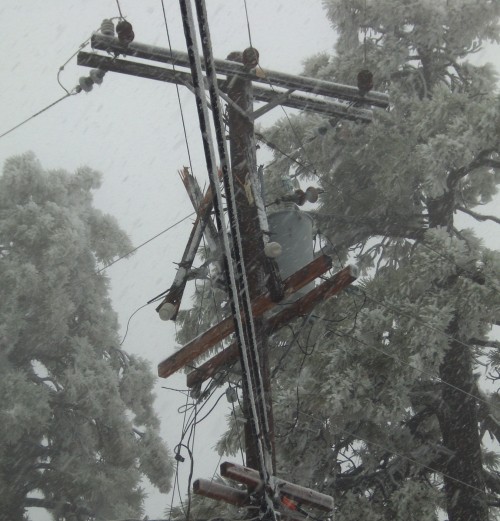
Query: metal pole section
248, 235
240, 304
226, 67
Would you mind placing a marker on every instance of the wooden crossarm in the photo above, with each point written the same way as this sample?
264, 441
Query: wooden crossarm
231, 495
260, 305
302, 495
303, 306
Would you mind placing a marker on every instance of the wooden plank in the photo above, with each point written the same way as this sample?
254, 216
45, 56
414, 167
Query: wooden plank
260, 305
204, 487
302, 495
303, 306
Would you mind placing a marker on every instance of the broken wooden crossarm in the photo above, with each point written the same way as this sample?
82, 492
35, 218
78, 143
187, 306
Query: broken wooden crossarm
302, 495
176, 291
260, 305
303, 306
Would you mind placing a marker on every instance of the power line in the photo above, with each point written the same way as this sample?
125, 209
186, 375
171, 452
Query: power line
177, 86
53, 104
144, 243
248, 23
119, 8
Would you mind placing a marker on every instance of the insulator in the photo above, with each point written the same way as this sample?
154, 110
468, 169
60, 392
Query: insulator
96, 75
273, 250
312, 194
231, 394
167, 311
125, 32
250, 58
86, 83
365, 81
299, 197
107, 27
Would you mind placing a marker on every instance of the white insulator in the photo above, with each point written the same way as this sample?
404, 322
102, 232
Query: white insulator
86, 83
96, 75
312, 194
273, 249
107, 27
167, 311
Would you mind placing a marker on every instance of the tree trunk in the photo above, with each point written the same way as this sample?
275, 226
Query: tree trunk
464, 482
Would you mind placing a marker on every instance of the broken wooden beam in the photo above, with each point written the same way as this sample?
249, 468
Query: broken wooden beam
260, 305
303, 306
212, 490
302, 495
176, 291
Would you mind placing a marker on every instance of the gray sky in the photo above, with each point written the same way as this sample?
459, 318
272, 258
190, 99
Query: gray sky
130, 130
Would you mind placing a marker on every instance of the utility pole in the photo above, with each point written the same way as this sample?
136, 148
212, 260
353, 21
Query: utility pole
244, 166
265, 288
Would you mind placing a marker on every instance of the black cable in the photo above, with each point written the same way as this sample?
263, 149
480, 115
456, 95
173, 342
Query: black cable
128, 322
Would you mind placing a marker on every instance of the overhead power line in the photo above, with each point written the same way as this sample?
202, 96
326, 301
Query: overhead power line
145, 242
53, 104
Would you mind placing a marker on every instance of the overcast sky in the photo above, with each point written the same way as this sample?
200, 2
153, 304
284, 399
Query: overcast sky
130, 130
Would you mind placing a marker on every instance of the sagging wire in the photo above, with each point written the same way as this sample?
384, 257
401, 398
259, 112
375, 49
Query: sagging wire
128, 322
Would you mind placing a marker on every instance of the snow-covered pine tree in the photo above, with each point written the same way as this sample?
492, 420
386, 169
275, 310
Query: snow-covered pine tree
377, 396
388, 415
77, 429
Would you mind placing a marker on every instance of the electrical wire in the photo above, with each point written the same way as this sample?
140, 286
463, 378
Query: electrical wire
53, 104
177, 87
119, 8
128, 322
61, 68
144, 243
248, 24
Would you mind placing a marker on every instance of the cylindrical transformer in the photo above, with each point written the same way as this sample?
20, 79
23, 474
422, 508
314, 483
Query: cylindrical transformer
293, 230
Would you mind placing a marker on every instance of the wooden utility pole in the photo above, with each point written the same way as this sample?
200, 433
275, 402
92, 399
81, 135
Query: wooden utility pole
238, 90
244, 166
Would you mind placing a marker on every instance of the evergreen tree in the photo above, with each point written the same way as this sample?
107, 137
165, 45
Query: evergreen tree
377, 394
77, 429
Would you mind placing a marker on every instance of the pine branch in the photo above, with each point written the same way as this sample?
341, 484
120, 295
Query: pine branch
478, 216
485, 343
